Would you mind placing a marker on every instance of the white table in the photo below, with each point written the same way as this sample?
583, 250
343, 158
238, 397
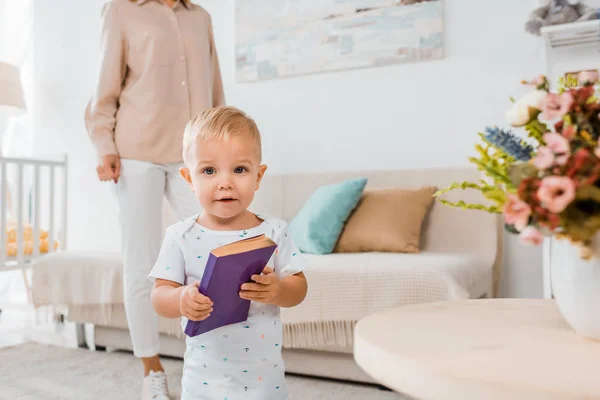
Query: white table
488, 349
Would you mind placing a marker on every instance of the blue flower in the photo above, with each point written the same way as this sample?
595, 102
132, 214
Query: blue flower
508, 143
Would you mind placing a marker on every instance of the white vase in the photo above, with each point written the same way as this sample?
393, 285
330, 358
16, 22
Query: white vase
576, 286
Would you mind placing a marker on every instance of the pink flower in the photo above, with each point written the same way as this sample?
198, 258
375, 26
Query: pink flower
530, 235
538, 80
556, 192
588, 77
516, 212
557, 143
544, 158
557, 150
556, 106
559, 146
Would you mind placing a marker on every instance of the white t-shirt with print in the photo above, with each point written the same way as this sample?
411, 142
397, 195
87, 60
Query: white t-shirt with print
237, 361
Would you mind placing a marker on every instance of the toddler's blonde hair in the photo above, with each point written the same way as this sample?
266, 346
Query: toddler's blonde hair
219, 123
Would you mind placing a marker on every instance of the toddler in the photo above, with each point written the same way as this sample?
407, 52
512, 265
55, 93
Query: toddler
222, 157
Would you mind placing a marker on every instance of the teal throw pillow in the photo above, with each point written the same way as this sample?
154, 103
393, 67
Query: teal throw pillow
318, 225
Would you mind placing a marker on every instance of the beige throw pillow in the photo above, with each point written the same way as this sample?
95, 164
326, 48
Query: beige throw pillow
387, 220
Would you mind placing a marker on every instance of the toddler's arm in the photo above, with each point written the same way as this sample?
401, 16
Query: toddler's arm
172, 300
293, 290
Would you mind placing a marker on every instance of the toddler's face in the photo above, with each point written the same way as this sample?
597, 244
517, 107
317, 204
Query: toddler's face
225, 175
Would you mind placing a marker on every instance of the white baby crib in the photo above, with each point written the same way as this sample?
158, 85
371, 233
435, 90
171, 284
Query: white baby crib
33, 211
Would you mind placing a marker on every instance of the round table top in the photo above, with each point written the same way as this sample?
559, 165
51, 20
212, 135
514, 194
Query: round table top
478, 349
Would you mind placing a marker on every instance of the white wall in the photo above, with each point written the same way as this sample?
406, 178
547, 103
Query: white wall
66, 54
16, 48
414, 115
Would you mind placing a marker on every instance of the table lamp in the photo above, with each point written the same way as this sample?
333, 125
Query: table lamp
11, 104
11, 91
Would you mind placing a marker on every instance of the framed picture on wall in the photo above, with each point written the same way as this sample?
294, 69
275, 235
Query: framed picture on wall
283, 38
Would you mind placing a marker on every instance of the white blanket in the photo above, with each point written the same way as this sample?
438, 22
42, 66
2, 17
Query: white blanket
343, 288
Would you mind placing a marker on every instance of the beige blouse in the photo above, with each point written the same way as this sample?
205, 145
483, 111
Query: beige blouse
158, 69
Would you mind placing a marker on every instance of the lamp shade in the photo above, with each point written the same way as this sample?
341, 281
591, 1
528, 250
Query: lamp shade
11, 91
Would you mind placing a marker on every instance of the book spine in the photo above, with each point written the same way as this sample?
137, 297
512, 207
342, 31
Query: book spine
207, 275
192, 327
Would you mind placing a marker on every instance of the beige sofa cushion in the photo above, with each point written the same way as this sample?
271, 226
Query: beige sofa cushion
387, 220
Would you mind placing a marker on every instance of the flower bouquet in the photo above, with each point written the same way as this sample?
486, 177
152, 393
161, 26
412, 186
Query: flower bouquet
547, 183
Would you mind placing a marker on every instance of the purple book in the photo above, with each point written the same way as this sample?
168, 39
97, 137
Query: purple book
227, 268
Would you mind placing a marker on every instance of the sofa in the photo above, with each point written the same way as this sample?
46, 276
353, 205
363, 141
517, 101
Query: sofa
459, 258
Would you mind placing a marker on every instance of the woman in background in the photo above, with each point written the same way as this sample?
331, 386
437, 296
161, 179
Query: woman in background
158, 69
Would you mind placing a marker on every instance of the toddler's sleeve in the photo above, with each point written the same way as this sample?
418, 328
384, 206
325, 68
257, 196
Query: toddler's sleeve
170, 264
288, 259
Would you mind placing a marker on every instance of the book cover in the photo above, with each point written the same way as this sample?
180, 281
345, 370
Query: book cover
227, 268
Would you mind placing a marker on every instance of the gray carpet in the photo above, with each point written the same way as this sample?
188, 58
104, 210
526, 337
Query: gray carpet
35, 371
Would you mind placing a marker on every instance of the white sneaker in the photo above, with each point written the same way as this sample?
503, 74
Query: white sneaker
155, 387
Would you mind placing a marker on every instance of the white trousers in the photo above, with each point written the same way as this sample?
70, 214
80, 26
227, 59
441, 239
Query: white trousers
140, 192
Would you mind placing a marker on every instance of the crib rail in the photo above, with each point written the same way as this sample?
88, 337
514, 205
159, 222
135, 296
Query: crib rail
33, 199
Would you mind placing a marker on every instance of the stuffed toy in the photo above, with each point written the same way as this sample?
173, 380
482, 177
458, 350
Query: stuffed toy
559, 12
28, 247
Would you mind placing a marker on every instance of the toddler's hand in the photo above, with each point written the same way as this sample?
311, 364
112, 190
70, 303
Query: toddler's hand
194, 305
265, 290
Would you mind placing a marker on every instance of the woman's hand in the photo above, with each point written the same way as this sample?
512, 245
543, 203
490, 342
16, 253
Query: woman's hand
109, 168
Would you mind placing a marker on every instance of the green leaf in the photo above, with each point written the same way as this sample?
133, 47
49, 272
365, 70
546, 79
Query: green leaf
589, 192
592, 223
495, 164
518, 172
484, 186
491, 192
561, 85
481, 207
567, 120
492, 170
536, 129
572, 80
580, 233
